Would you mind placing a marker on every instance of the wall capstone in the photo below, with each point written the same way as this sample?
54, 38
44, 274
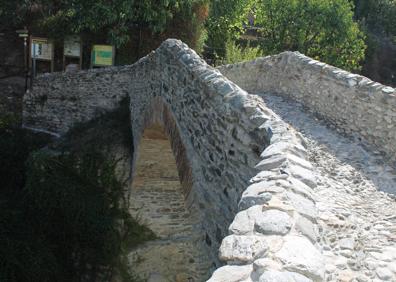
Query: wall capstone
353, 103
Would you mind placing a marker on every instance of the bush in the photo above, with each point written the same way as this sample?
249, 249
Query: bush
225, 23
236, 54
64, 216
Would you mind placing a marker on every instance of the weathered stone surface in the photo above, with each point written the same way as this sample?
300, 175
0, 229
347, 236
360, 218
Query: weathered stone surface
232, 273
303, 205
384, 273
307, 228
280, 148
300, 188
299, 255
272, 162
350, 179
273, 222
242, 248
352, 102
243, 223
259, 193
217, 131
263, 264
304, 175
347, 243
282, 276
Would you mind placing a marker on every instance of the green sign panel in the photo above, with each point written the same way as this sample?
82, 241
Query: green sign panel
102, 55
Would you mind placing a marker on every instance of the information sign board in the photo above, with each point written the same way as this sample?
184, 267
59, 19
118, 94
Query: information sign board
41, 49
72, 46
102, 55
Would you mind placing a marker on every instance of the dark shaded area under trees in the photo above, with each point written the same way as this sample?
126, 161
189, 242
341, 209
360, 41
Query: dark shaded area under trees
64, 211
378, 19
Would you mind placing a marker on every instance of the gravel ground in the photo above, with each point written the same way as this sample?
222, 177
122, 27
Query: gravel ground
356, 198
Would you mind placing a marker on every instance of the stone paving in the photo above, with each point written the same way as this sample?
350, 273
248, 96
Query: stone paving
355, 198
157, 200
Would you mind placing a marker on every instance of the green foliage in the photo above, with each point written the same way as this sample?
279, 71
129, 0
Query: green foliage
112, 18
12, 13
64, 216
322, 29
236, 54
378, 16
15, 145
225, 23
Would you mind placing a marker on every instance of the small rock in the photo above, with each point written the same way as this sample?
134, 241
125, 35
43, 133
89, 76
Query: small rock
307, 228
244, 221
346, 276
347, 243
362, 278
303, 205
231, 273
304, 175
298, 254
249, 200
236, 248
341, 263
384, 273
346, 253
263, 264
277, 276
273, 222
330, 268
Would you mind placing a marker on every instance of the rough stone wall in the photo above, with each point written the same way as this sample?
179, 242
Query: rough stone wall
352, 102
157, 199
224, 140
215, 143
59, 101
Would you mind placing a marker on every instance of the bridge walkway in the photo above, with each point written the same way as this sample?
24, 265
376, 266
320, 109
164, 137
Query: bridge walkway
356, 198
157, 200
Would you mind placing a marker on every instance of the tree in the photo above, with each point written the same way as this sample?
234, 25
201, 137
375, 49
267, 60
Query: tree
114, 18
322, 29
378, 16
378, 19
225, 22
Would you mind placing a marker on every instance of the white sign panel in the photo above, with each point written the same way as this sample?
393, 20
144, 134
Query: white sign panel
41, 49
72, 46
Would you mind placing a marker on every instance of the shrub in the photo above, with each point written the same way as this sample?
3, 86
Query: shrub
235, 53
64, 216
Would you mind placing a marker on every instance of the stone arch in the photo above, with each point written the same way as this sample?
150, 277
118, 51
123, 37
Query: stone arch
158, 113
165, 204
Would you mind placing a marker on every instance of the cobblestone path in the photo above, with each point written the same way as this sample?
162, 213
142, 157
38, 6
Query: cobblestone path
355, 198
157, 199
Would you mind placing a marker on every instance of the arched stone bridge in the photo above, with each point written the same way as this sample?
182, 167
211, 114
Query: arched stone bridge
294, 183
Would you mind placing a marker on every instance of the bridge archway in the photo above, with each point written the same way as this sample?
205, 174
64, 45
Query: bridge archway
161, 198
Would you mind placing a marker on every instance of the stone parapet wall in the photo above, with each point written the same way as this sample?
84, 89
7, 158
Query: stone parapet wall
274, 236
59, 101
352, 102
239, 164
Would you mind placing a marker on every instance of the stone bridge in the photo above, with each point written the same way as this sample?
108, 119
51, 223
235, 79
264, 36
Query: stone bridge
292, 182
